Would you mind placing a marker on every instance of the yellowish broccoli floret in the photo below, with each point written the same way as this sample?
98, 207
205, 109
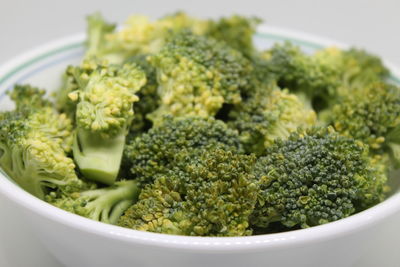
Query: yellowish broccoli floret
104, 113
269, 116
34, 142
197, 75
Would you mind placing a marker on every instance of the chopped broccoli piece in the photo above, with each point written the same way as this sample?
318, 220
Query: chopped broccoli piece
139, 35
211, 195
153, 152
75, 77
34, 141
28, 96
236, 31
103, 115
196, 75
303, 74
315, 177
370, 114
356, 68
267, 116
149, 98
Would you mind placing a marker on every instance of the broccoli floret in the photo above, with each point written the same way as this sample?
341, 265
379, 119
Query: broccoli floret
315, 79
99, 204
34, 141
315, 177
236, 31
139, 35
211, 195
149, 98
356, 67
103, 115
75, 77
267, 116
371, 114
153, 152
28, 96
196, 75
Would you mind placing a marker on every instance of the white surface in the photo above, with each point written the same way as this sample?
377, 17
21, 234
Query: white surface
29, 23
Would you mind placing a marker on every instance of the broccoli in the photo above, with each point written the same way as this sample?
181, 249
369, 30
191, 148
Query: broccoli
315, 80
28, 96
96, 45
267, 116
210, 195
314, 177
34, 142
149, 99
103, 115
197, 75
74, 78
99, 204
371, 114
182, 126
153, 152
139, 35
322, 76
236, 31
356, 67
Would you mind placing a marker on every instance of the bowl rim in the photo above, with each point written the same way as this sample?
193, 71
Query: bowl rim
353, 223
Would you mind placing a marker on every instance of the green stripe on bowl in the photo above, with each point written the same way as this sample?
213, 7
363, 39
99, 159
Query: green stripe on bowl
36, 59
278, 37
395, 79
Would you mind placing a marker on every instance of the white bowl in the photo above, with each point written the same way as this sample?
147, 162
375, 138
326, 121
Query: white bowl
77, 241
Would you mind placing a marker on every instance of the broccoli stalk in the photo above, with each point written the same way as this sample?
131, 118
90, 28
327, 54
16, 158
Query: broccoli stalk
97, 156
99, 204
97, 30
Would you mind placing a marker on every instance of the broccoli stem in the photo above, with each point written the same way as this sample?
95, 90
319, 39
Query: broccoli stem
98, 157
108, 204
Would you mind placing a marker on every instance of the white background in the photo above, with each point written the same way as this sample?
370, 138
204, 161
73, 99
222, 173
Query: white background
370, 24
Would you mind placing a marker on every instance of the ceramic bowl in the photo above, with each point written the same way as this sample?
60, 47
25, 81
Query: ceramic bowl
77, 241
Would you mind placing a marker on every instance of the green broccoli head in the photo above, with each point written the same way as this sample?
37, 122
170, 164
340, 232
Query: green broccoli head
268, 116
99, 204
303, 74
154, 152
28, 96
236, 31
104, 113
196, 75
139, 35
149, 98
314, 177
33, 147
210, 195
75, 78
356, 67
370, 114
